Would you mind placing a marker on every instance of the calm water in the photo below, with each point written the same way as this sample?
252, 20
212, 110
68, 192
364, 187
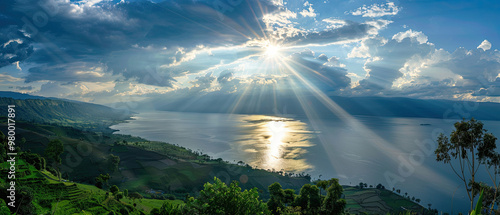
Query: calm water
396, 152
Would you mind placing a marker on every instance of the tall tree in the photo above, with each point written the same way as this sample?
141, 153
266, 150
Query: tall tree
309, 199
53, 152
333, 204
277, 198
469, 145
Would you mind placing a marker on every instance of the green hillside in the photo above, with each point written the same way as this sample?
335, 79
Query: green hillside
76, 114
48, 195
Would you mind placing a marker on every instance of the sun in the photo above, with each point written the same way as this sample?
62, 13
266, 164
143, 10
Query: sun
272, 51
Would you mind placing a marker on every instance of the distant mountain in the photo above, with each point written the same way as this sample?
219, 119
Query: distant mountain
16, 95
62, 112
267, 103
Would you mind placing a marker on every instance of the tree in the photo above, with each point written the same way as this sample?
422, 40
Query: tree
125, 193
470, 146
333, 204
101, 180
113, 162
323, 184
277, 198
218, 198
309, 199
134, 196
114, 189
53, 152
289, 196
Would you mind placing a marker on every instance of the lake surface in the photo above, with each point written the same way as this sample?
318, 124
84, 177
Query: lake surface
396, 152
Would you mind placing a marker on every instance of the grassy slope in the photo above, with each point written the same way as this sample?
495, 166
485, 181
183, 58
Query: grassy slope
86, 116
377, 201
55, 197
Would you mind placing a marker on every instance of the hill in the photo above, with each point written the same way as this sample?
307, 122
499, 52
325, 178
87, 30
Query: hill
16, 95
81, 115
48, 195
378, 201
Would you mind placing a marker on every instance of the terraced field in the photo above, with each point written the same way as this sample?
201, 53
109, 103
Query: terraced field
377, 201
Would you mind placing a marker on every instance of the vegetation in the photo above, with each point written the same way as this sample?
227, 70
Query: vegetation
53, 152
470, 147
80, 115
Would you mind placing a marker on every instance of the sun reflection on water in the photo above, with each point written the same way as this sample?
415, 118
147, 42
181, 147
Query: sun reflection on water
278, 143
277, 132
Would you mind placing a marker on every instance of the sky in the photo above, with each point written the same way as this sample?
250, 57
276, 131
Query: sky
107, 51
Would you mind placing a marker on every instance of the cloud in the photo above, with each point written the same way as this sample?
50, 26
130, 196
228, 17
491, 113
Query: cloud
9, 78
386, 58
14, 46
202, 83
416, 35
475, 64
309, 12
408, 65
334, 23
323, 72
71, 72
94, 32
485, 45
24, 88
377, 10
350, 31
227, 82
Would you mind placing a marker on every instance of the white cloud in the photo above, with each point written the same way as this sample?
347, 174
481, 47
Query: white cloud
17, 66
485, 45
409, 65
377, 10
309, 12
19, 41
8, 78
334, 23
414, 35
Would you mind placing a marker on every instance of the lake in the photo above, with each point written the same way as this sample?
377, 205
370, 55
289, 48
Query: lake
396, 152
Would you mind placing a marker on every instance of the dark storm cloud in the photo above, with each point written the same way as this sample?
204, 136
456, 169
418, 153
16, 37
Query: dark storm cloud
68, 32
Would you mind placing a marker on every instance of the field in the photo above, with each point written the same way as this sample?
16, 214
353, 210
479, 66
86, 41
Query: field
377, 201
